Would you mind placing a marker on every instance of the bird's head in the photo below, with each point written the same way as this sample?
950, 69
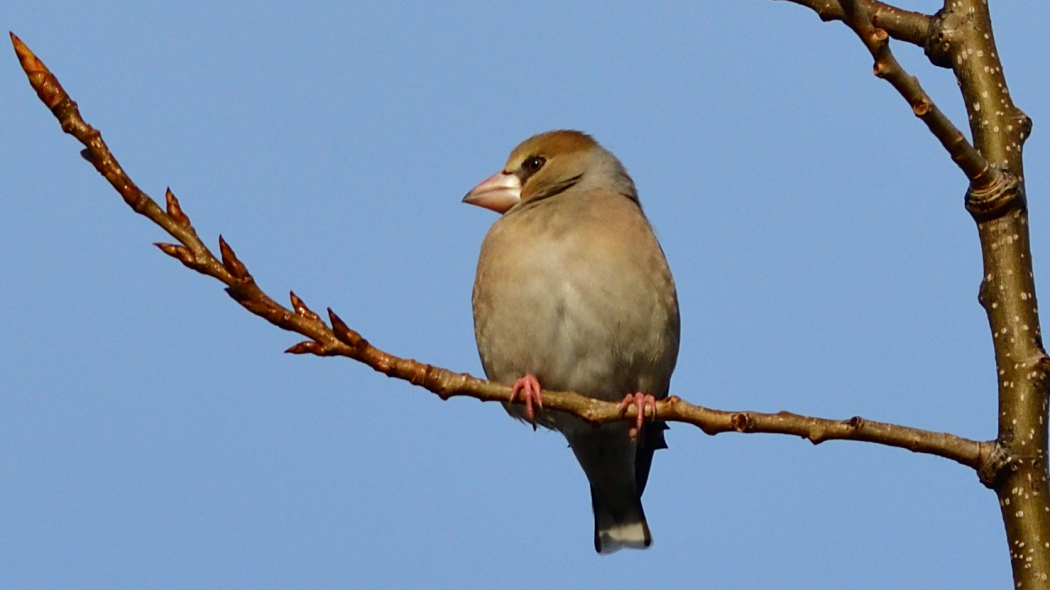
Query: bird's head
549, 164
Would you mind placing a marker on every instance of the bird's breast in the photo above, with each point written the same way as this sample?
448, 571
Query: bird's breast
553, 301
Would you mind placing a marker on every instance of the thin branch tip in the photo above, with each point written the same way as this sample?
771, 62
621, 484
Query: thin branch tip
20, 47
43, 81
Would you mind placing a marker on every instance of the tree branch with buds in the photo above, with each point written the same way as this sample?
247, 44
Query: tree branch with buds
337, 339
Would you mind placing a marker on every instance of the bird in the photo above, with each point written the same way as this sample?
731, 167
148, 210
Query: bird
573, 293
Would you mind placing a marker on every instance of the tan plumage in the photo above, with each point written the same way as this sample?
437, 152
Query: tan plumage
573, 293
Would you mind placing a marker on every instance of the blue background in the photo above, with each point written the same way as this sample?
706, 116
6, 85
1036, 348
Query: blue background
153, 435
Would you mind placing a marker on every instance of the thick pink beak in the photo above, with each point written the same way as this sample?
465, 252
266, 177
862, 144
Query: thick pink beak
499, 193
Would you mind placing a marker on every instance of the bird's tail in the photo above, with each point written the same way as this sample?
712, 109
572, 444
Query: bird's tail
617, 468
619, 527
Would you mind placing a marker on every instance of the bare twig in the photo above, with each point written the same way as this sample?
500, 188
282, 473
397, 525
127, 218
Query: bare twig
340, 340
976, 168
903, 25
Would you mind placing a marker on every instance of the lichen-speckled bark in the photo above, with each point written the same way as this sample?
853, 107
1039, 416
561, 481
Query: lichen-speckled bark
962, 34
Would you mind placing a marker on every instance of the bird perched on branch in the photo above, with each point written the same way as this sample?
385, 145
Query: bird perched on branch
573, 293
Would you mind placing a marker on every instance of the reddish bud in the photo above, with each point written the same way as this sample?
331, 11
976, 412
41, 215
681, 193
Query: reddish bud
301, 309
230, 261
174, 210
344, 333
182, 253
40, 78
307, 347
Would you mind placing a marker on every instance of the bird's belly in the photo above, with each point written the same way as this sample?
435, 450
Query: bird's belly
570, 336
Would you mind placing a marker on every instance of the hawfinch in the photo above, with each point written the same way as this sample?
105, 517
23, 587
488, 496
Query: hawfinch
573, 293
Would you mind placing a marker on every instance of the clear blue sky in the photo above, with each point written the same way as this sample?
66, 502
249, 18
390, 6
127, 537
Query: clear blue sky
153, 435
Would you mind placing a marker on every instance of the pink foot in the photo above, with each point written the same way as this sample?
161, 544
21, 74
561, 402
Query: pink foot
530, 390
640, 401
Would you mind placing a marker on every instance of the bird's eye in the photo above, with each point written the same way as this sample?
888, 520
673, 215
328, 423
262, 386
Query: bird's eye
533, 164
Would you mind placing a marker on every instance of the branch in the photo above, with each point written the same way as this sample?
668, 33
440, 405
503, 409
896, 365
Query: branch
960, 36
972, 163
966, 41
340, 340
903, 25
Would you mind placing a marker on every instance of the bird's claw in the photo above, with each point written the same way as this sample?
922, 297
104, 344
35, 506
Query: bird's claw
640, 401
530, 391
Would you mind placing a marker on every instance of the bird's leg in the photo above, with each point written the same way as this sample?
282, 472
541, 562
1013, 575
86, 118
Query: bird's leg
530, 390
641, 401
